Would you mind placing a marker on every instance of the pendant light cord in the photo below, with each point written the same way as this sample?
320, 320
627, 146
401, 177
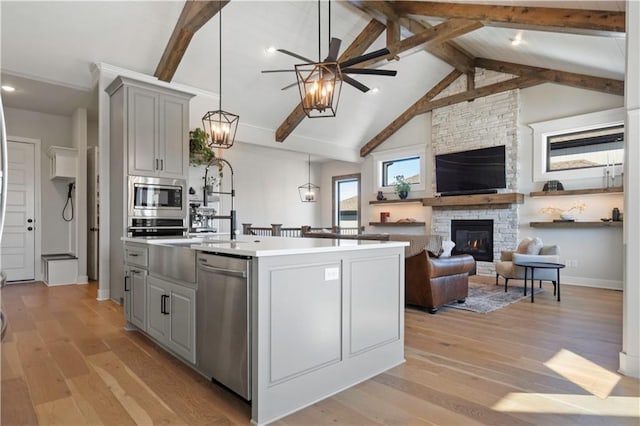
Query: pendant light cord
319, 23
309, 172
220, 57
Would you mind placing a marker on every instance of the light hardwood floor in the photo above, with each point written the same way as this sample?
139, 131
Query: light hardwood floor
67, 360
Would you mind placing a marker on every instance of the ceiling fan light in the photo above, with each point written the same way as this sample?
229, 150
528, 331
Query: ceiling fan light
319, 85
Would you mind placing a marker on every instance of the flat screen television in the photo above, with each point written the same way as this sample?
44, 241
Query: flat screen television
478, 171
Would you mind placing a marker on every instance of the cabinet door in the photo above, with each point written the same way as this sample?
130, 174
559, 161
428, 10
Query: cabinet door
138, 293
127, 293
182, 322
142, 132
173, 147
158, 321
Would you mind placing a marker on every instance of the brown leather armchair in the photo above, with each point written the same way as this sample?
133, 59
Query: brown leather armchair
432, 282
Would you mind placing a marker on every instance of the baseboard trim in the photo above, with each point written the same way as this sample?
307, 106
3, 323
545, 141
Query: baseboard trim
82, 279
591, 282
629, 365
103, 294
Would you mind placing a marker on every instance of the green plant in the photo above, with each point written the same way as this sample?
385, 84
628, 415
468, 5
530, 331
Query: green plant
401, 185
199, 151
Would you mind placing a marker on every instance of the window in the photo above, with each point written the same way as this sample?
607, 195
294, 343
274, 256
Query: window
408, 162
586, 148
409, 168
346, 202
578, 147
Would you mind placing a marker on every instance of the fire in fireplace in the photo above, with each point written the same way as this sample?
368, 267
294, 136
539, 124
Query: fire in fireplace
474, 237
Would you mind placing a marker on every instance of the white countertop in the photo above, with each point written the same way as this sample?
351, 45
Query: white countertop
256, 246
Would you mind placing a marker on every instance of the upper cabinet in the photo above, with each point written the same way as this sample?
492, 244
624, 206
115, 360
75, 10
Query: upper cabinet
155, 127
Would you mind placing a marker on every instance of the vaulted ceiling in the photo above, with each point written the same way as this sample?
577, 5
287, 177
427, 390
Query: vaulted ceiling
54, 44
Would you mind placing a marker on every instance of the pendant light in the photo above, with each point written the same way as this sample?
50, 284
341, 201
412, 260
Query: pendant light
320, 83
220, 125
309, 192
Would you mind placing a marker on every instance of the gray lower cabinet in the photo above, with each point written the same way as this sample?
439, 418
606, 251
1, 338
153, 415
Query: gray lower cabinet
171, 310
135, 291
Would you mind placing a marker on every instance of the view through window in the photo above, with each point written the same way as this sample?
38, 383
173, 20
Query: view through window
346, 201
408, 167
586, 148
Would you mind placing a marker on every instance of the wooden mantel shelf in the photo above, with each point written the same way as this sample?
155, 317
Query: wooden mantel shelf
406, 200
577, 224
503, 200
397, 223
611, 190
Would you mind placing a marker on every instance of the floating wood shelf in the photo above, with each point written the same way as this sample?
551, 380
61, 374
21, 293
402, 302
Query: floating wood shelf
406, 200
578, 224
397, 224
612, 190
503, 200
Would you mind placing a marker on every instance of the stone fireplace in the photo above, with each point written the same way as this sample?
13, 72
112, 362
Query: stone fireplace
474, 237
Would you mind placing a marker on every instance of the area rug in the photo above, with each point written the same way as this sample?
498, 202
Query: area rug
484, 298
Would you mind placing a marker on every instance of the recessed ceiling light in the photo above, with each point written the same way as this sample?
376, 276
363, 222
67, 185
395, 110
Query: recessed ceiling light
375, 90
516, 41
8, 88
270, 49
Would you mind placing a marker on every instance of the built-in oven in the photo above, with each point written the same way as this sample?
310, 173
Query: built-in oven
156, 227
151, 197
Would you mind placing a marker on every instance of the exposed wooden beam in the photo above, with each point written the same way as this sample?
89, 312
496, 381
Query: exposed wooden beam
448, 52
425, 105
558, 19
434, 35
598, 84
361, 43
393, 31
194, 15
406, 116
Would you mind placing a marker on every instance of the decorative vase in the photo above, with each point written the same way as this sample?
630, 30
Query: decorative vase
380, 196
567, 216
403, 194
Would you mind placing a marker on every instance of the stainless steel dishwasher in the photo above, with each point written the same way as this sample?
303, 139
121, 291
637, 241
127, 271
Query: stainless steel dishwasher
223, 340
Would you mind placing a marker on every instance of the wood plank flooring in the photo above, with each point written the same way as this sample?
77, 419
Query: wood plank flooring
67, 360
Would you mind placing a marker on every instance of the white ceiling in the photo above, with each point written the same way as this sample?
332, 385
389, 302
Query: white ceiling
56, 43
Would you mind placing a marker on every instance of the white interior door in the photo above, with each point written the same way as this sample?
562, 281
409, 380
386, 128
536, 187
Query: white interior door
18, 239
93, 206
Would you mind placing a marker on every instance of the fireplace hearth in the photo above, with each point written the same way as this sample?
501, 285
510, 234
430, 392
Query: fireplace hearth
474, 237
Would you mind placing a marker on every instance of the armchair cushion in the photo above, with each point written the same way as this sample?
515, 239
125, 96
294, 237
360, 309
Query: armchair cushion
508, 270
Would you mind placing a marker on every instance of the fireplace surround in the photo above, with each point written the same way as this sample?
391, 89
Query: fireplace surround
474, 237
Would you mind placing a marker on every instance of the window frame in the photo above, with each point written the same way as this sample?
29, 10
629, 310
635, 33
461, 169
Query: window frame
379, 158
334, 205
543, 130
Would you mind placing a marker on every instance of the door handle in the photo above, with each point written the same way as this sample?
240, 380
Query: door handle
30, 228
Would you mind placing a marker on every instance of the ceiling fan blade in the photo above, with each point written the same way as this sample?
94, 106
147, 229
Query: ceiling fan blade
289, 86
270, 71
334, 48
389, 73
355, 83
365, 57
295, 55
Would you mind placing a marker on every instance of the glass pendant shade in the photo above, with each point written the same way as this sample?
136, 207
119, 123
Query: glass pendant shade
309, 192
221, 126
320, 85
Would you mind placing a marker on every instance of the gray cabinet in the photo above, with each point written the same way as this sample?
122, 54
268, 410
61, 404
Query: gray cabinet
155, 128
172, 316
135, 282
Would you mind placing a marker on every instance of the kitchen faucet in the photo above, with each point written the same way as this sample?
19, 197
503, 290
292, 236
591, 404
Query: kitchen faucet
232, 214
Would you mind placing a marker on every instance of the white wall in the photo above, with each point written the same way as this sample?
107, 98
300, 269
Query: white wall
266, 182
598, 251
52, 130
415, 132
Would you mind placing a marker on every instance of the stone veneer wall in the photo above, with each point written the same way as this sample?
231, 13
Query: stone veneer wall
484, 122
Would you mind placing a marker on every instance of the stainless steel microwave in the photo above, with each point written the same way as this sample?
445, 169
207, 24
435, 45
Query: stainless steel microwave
157, 197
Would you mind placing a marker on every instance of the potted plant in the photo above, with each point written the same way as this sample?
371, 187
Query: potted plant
402, 187
199, 151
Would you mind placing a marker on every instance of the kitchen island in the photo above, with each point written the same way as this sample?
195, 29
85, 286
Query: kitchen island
321, 314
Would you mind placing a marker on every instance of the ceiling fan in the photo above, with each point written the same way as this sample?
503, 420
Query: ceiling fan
344, 67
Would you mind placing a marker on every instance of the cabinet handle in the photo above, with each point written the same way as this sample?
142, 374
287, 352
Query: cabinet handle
125, 283
157, 164
161, 164
163, 304
133, 254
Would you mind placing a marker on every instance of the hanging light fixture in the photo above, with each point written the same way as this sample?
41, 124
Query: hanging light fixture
320, 83
220, 125
309, 192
